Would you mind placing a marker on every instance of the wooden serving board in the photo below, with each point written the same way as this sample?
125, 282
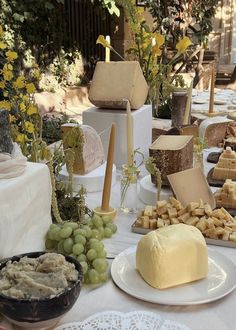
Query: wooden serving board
213, 182
211, 241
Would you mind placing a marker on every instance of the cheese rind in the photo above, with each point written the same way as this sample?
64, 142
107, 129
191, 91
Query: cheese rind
171, 256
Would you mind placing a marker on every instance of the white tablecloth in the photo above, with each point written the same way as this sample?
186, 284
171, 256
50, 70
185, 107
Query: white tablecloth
25, 211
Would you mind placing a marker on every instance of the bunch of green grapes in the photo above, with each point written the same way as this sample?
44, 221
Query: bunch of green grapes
83, 242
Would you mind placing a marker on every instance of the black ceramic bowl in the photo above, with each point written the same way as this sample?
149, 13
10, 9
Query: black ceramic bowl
44, 312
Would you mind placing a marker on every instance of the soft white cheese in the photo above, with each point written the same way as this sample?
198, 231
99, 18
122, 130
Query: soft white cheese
172, 255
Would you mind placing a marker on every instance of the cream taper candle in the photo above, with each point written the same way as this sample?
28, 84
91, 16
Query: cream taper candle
129, 133
108, 51
188, 105
108, 174
211, 101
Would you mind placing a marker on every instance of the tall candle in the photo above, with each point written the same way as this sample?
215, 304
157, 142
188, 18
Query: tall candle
129, 133
188, 105
108, 174
211, 102
108, 51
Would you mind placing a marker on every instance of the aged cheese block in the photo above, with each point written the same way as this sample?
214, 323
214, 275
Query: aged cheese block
172, 255
226, 196
213, 130
226, 166
172, 153
93, 153
115, 81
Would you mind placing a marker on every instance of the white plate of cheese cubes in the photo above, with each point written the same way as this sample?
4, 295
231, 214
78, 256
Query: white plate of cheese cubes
221, 280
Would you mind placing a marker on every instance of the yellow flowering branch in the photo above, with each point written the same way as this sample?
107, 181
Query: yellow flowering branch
101, 40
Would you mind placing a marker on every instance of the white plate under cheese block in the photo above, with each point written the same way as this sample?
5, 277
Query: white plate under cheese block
101, 120
221, 280
115, 81
172, 153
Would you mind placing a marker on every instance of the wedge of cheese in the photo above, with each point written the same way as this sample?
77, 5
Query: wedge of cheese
172, 255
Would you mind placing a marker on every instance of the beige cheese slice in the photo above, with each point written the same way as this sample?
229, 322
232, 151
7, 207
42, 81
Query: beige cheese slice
172, 255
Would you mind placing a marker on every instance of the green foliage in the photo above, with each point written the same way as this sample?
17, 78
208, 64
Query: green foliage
176, 18
33, 26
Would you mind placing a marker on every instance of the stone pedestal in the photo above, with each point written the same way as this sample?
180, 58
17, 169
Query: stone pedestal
101, 120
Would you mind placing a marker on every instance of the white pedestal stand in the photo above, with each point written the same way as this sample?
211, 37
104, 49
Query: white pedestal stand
93, 181
148, 191
101, 120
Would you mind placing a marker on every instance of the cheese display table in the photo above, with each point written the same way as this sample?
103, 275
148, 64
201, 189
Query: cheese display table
25, 211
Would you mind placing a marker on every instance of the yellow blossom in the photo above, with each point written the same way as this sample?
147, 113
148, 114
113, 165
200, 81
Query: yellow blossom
7, 75
32, 109
11, 56
156, 50
2, 45
5, 105
21, 138
20, 82
5, 93
183, 44
2, 84
22, 107
29, 127
101, 40
12, 119
30, 88
25, 98
7, 66
36, 73
1, 31
159, 38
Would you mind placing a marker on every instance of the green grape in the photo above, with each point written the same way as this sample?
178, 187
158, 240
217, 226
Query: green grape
101, 231
90, 223
103, 277
93, 240
53, 226
100, 264
49, 244
102, 254
88, 231
97, 246
53, 233
84, 266
91, 254
80, 239
86, 278
106, 219
93, 276
107, 232
78, 248
79, 231
72, 225
60, 247
96, 234
82, 257
97, 221
68, 244
112, 226
65, 232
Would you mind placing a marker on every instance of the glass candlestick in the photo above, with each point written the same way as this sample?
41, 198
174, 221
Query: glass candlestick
128, 193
